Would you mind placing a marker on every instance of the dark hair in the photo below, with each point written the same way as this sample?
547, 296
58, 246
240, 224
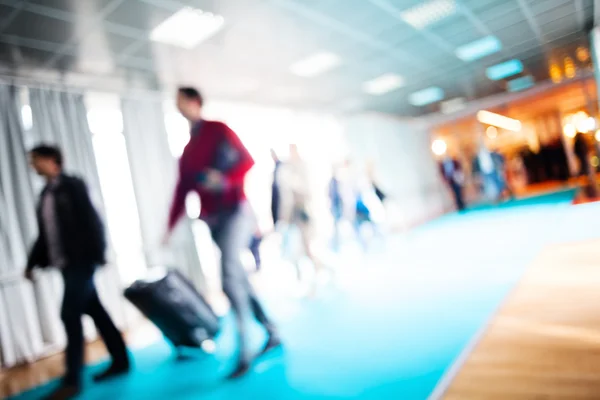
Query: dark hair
46, 151
191, 94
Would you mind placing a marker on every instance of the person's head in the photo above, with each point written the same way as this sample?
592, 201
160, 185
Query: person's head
189, 103
46, 160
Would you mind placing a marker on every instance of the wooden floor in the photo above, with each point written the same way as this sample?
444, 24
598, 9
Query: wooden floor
545, 341
24, 377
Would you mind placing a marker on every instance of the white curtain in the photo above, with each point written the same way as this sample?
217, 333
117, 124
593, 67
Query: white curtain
154, 172
60, 118
29, 314
20, 334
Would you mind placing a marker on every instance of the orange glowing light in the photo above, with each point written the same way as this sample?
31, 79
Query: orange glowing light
583, 54
555, 73
570, 70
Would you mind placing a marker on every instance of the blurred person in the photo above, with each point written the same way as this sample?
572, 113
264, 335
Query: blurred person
500, 172
453, 175
336, 204
214, 164
582, 149
369, 211
374, 183
255, 243
295, 205
71, 238
275, 192
485, 169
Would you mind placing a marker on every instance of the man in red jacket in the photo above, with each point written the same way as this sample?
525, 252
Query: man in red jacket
214, 164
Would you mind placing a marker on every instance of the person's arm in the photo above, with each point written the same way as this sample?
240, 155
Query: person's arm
235, 176
34, 255
178, 203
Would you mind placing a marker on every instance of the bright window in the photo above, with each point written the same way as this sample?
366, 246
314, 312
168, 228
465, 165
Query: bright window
106, 124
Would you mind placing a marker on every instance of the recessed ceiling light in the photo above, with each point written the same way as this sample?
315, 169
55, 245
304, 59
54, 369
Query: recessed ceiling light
383, 84
478, 49
316, 64
522, 83
187, 28
504, 70
500, 121
428, 13
426, 96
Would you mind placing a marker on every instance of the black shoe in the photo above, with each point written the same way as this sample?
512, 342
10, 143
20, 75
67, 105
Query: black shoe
272, 343
113, 371
241, 370
64, 391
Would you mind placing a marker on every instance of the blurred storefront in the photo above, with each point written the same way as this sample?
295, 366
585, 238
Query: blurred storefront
535, 131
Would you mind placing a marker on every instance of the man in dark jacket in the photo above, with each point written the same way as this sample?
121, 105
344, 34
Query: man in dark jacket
71, 238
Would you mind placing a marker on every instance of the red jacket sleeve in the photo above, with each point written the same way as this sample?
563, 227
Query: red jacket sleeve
178, 203
235, 176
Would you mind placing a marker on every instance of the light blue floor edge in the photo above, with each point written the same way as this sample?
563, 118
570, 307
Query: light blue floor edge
392, 331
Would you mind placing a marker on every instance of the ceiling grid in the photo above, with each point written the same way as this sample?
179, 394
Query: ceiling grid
261, 39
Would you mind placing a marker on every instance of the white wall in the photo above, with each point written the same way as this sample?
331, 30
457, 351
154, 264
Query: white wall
404, 166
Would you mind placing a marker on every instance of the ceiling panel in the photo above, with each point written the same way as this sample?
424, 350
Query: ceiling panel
456, 32
73, 5
250, 58
138, 15
540, 7
34, 26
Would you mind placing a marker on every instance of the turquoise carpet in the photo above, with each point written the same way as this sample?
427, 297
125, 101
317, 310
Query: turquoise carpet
391, 331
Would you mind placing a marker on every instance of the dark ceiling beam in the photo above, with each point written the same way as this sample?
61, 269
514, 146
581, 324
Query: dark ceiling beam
64, 16
97, 20
5, 23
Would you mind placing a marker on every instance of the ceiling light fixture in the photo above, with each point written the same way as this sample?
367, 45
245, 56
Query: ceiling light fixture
187, 28
428, 13
383, 84
316, 64
478, 49
522, 83
504, 70
500, 121
426, 96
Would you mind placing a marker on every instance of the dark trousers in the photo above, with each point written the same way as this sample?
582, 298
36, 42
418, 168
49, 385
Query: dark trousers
458, 195
232, 232
81, 297
255, 249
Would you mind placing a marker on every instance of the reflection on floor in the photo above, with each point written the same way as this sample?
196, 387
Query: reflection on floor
392, 325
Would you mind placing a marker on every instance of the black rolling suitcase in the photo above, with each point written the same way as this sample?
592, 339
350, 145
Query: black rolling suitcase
172, 303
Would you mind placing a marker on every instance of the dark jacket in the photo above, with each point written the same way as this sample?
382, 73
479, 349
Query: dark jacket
81, 230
